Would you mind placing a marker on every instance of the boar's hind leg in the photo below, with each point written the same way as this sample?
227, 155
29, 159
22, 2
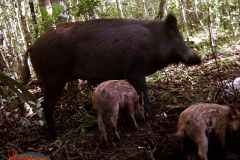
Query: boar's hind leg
114, 117
139, 83
52, 93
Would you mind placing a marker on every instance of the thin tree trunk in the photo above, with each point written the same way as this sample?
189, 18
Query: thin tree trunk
185, 19
69, 9
145, 9
1, 37
231, 18
2, 64
238, 12
196, 11
119, 6
161, 9
24, 24
33, 17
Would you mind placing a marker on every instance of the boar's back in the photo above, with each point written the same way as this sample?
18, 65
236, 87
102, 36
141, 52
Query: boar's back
93, 50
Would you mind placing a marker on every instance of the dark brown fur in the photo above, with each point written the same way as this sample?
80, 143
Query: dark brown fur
112, 96
198, 121
100, 50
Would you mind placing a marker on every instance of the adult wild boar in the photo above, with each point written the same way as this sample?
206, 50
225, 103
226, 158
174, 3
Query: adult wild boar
199, 121
104, 49
114, 96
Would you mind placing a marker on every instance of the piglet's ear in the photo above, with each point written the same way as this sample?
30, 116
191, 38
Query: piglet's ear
233, 112
171, 23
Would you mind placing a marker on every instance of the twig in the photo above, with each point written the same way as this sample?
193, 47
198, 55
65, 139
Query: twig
152, 152
153, 143
153, 136
132, 155
65, 144
214, 50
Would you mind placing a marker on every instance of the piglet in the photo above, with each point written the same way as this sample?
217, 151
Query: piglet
112, 96
199, 120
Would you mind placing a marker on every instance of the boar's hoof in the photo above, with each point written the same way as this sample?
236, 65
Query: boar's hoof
150, 110
103, 143
135, 127
116, 138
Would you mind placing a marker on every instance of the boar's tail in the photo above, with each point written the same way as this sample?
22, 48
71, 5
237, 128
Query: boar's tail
24, 69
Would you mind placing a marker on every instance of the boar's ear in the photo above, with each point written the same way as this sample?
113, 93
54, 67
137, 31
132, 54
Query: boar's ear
233, 112
171, 23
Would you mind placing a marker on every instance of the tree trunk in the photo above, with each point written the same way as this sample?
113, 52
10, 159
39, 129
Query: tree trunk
33, 17
185, 19
238, 12
2, 64
231, 17
224, 15
119, 6
1, 37
24, 24
145, 9
161, 9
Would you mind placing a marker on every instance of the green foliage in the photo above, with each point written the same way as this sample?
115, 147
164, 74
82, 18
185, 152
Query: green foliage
48, 20
86, 121
18, 89
85, 8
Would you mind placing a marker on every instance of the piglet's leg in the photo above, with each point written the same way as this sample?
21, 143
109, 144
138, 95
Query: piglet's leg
131, 116
114, 117
102, 129
202, 143
221, 136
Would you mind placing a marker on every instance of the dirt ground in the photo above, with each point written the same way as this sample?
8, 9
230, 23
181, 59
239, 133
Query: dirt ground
170, 96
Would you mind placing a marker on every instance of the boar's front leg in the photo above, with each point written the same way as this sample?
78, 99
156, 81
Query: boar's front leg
139, 83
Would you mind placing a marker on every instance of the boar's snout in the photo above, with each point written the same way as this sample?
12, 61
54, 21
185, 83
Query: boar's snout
190, 58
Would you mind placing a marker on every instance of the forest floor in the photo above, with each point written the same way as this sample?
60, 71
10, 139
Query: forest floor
170, 95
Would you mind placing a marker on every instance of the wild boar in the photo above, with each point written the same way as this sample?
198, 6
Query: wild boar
199, 121
104, 49
114, 96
